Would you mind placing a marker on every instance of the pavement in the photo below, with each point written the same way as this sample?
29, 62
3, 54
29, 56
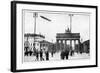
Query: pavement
56, 56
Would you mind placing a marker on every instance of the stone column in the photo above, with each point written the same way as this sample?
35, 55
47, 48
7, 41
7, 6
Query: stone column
65, 44
57, 41
70, 44
79, 45
61, 44
74, 44
57, 45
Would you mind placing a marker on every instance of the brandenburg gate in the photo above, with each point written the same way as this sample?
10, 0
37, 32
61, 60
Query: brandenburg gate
68, 39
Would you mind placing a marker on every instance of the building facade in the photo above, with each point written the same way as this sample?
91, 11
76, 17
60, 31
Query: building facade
68, 40
32, 42
46, 46
85, 46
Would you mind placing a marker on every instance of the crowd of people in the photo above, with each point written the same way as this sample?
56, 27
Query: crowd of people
40, 55
65, 54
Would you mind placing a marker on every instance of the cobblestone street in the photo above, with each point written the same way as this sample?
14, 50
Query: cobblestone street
56, 57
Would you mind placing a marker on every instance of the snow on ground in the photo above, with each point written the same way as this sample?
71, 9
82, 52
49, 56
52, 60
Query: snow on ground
56, 56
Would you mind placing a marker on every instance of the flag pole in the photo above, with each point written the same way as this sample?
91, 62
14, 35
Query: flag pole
34, 15
70, 22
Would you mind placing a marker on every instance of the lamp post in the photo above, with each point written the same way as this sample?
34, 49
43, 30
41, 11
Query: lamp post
70, 29
71, 22
35, 15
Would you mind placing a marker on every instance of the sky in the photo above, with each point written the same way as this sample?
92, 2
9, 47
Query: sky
58, 24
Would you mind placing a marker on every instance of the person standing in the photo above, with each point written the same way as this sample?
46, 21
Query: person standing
62, 55
52, 53
47, 55
67, 54
72, 52
41, 55
37, 55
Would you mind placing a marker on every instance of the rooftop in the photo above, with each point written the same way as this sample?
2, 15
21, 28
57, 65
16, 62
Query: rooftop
33, 35
44, 41
68, 35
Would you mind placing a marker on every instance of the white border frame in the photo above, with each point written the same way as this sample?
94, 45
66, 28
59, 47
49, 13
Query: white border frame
52, 64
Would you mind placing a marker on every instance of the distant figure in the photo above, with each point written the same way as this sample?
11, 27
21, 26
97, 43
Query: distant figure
47, 55
52, 53
64, 54
67, 54
37, 55
26, 51
30, 52
41, 55
72, 52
